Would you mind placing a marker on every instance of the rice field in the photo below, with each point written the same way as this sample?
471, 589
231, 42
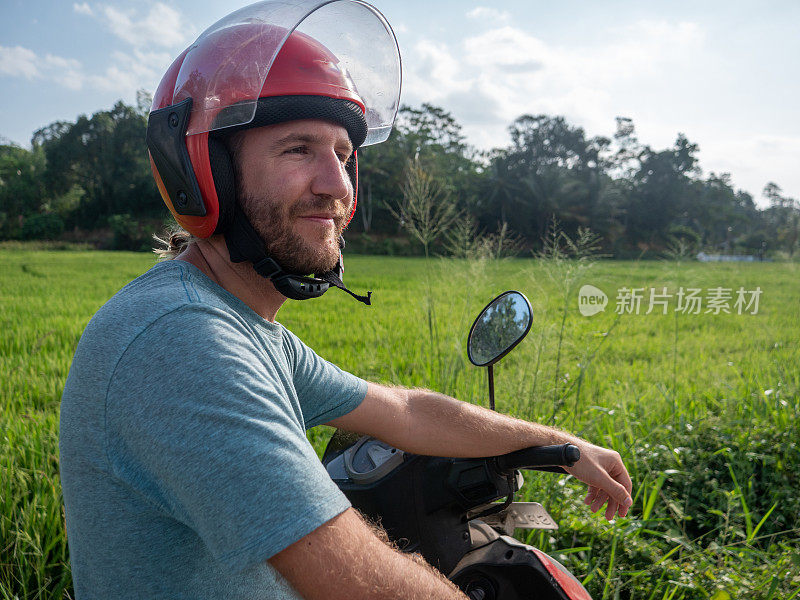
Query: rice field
702, 404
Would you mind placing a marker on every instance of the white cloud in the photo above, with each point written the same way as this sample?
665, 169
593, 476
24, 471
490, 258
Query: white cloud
127, 73
504, 47
83, 8
505, 72
664, 33
485, 13
649, 71
753, 161
22, 62
141, 67
65, 71
162, 26
131, 72
436, 70
18, 62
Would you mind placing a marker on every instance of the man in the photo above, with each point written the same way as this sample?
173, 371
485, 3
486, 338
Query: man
185, 466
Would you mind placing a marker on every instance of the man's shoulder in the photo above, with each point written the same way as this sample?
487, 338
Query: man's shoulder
172, 294
170, 288
165, 286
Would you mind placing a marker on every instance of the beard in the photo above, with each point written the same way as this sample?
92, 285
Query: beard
297, 254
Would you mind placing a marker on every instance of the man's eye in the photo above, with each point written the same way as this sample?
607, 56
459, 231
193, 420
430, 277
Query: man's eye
297, 150
344, 158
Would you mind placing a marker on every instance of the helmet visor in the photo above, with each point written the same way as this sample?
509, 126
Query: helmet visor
225, 70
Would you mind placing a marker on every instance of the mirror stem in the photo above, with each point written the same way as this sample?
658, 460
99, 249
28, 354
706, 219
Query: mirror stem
491, 386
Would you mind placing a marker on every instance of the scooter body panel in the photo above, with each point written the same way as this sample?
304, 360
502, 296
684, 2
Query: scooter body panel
426, 503
399, 503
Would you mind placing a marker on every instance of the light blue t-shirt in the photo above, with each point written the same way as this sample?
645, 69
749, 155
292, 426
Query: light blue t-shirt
184, 459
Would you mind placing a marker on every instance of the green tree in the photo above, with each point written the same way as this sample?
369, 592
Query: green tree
723, 219
428, 134
22, 189
551, 168
105, 156
661, 192
782, 219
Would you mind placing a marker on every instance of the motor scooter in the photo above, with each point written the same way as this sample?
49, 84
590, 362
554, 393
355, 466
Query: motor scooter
444, 508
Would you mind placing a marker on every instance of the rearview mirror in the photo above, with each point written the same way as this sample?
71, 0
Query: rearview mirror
499, 327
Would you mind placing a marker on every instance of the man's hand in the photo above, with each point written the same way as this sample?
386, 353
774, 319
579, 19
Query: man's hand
605, 474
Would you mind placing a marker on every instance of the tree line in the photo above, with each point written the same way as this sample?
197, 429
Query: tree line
93, 175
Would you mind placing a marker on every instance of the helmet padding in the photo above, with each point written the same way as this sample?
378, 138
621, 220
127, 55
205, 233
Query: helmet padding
280, 109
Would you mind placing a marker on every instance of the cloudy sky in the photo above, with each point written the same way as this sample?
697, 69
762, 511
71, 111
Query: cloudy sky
725, 73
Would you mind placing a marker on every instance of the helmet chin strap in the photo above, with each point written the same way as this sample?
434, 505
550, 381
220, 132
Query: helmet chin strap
244, 244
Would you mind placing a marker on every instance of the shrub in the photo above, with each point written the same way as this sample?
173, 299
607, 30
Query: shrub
44, 226
128, 233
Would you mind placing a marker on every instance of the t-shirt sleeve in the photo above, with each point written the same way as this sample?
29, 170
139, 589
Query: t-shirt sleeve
199, 422
325, 391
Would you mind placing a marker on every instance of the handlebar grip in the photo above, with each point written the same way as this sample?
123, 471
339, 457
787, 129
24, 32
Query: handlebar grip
539, 456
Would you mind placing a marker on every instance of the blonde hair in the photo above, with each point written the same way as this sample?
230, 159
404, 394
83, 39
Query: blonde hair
175, 241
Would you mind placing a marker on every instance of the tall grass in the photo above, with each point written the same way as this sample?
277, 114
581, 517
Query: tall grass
703, 408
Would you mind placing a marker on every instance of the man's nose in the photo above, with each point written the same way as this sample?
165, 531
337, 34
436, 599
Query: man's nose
331, 178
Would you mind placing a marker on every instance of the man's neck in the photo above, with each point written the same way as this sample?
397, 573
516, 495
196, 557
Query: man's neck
211, 257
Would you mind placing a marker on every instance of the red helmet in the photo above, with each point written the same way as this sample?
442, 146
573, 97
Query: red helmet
267, 63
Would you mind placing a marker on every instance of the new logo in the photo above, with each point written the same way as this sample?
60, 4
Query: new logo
591, 300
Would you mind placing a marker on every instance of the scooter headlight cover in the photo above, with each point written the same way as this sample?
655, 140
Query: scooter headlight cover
568, 582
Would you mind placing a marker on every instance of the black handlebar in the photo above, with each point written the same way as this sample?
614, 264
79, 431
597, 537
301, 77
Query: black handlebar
543, 458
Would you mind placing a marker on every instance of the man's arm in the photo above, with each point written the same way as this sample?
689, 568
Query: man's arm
344, 559
424, 422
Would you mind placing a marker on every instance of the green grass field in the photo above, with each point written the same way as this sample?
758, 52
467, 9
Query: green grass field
703, 408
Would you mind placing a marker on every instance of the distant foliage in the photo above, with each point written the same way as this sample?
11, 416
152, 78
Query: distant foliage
128, 233
46, 226
640, 200
78, 174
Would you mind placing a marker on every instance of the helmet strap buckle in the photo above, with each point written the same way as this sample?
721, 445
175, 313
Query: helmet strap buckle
267, 267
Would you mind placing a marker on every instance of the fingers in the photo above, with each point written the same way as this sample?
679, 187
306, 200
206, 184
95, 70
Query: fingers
622, 499
599, 501
591, 495
611, 509
614, 493
596, 498
608, 480
622, 476
622, 507
615, 490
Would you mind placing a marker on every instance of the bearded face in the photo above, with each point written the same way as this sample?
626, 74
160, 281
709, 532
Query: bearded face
293, 186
